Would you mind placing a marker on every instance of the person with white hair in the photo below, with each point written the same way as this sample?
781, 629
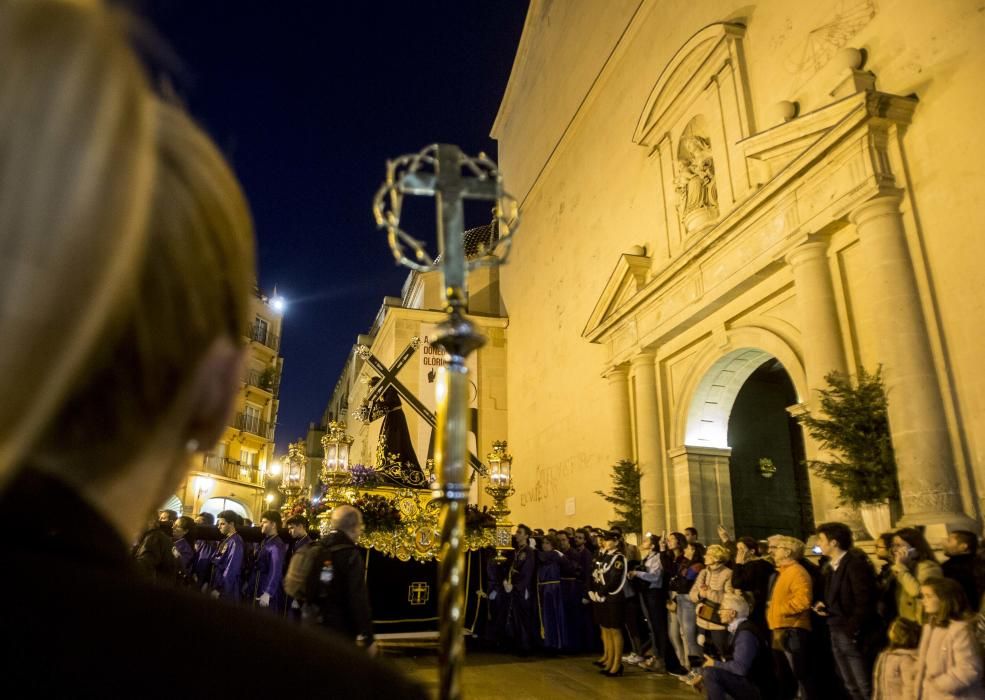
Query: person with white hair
788, 612
735, 672
338, 585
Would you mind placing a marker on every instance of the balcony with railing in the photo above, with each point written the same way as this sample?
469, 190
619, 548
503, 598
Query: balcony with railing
232, 469
261, 333
252, 424
265, 380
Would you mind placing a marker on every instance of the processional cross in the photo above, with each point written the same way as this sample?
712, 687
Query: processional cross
388, 378
442, 170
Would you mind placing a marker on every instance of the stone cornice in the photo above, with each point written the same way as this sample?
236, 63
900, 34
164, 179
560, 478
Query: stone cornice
843, 166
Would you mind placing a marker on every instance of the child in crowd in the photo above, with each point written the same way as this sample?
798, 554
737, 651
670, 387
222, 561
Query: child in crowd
896, 668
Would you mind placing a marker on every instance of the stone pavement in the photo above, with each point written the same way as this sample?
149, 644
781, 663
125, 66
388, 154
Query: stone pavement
490, 676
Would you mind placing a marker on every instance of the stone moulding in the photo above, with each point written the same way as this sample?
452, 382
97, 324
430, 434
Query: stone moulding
687, 74
844, 165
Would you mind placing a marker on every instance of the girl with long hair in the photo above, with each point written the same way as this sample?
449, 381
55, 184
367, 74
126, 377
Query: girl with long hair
949, 663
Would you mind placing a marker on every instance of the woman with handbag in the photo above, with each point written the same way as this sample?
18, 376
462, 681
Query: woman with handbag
713, 582
608, 581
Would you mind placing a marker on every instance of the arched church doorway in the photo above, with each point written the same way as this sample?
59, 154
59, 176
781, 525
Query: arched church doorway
738, 416
770, 488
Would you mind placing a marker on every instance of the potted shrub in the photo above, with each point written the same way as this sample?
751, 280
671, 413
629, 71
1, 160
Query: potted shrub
625, 497
853, 427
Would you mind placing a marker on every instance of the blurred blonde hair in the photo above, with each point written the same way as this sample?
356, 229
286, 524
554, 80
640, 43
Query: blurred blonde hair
76, 167
718, 553
194, 286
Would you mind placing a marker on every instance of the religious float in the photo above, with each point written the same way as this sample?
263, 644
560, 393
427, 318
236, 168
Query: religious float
401, 541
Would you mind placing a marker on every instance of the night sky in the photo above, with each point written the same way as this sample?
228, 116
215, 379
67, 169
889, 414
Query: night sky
308, 100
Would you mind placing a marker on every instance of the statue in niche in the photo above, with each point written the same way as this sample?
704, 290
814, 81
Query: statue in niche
695, 182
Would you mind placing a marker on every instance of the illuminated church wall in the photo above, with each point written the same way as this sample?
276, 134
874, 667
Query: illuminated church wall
838, 233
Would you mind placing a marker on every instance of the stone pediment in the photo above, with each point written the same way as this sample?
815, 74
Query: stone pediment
687, 75
626, 280
772, 150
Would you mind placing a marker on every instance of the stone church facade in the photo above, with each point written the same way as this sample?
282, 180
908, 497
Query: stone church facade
721, 203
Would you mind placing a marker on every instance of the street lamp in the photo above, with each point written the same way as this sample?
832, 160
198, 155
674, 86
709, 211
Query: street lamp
292, 483
336, 444
335, 469
500, 488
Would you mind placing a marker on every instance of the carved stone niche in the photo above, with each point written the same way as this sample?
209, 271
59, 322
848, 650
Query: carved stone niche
697, 111
697, 193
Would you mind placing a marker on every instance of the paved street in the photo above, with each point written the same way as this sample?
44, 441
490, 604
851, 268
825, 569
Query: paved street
503, 677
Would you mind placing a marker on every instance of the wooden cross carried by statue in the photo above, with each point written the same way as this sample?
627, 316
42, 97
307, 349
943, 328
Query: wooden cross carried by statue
388, 378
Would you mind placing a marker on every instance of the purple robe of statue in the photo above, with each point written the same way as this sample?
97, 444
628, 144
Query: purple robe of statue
269, 576
227, 568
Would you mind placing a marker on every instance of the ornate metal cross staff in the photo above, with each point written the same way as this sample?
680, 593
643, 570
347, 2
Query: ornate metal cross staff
388, 377
444, 171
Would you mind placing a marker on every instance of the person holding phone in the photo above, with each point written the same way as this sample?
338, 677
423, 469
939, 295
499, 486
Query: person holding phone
849, 606
913, 564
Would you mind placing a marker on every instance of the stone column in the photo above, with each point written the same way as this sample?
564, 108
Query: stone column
648, 442
929, 484
618, 407
823, 353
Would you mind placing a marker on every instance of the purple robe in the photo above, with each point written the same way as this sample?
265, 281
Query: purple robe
495, 573
184, 557
572, 593
586, 630
269, 577
227, 566
521, 602
204, 551
553, 627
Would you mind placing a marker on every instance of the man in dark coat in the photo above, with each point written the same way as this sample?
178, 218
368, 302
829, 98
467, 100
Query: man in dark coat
964, 566
848, 605
297, 528
153, 553
337, 584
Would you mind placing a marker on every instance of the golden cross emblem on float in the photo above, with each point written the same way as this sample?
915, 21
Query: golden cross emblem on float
418, 593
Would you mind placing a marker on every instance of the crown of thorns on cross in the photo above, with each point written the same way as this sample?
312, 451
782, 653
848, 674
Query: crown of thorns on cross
417, 174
